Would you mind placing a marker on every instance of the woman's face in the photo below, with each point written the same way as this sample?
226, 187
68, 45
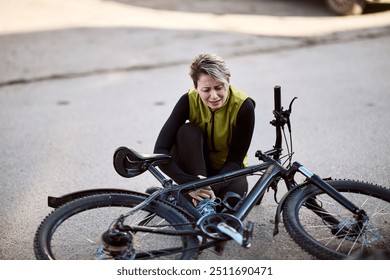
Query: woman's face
212, 93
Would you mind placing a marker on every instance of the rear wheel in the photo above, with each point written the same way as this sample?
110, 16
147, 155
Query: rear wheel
75, 230
346, 7
327, 230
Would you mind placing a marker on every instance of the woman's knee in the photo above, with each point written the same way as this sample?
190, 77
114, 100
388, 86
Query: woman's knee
188, 150
189, 132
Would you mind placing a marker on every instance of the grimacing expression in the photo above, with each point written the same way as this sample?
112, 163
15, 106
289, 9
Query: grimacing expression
212, 92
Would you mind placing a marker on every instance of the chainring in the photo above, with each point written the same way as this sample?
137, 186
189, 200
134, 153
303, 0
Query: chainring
209, 225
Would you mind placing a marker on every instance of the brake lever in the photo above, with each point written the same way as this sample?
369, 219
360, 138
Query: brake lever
286, 114
291, 103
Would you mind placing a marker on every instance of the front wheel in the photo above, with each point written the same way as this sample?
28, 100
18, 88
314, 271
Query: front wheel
74, 230
327, 230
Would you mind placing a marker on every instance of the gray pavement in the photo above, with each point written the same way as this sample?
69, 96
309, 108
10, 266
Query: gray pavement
77, 80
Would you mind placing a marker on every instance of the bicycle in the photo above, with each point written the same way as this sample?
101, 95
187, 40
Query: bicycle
330, 219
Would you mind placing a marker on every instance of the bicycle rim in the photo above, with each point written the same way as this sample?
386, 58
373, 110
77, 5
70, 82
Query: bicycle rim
74, 230
310, 214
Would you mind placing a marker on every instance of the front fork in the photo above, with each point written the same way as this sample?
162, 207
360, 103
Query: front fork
321, 184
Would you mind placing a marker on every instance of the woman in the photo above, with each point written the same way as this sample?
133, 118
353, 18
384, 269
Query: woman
209, 131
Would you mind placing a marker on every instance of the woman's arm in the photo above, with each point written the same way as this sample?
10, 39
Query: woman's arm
167, 139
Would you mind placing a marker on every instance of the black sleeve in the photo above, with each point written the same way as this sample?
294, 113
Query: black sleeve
242, 137
167, 138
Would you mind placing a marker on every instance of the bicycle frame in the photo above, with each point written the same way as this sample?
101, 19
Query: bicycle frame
273, 172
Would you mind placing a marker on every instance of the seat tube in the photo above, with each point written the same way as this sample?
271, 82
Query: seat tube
258, 189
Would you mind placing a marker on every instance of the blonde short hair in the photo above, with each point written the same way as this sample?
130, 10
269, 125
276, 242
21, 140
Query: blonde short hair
209, 64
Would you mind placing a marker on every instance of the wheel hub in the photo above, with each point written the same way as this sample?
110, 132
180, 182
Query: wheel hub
117, 244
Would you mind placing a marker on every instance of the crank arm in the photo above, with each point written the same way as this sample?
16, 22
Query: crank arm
231, 232
242, 239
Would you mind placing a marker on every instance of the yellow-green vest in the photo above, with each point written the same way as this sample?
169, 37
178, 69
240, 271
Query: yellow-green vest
218, 125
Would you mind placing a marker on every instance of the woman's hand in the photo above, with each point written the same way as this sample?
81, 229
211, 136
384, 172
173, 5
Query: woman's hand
202, 193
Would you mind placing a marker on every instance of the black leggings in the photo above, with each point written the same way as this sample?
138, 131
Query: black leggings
189, 154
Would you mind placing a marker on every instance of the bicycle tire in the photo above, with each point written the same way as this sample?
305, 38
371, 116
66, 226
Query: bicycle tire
314, 235
74, 230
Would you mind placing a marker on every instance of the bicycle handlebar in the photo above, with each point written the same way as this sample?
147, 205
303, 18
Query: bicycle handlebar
277, 112
277, 99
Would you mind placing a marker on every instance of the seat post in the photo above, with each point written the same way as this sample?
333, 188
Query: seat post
165, 182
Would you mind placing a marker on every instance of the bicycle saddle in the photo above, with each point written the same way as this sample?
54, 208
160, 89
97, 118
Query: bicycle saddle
129, 163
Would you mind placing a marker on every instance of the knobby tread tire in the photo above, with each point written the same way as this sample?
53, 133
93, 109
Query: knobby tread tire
295, 200
57, 216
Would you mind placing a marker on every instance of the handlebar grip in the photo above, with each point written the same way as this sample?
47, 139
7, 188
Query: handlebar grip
277, 99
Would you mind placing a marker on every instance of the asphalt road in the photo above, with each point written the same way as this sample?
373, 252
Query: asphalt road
78, 80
